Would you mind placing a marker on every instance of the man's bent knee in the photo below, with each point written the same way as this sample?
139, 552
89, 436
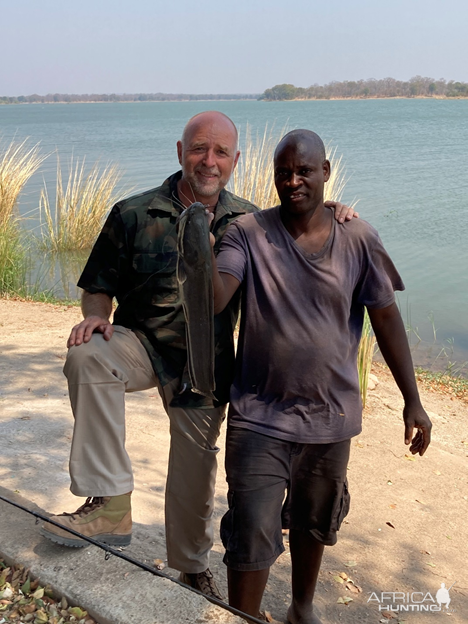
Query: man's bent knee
87, 363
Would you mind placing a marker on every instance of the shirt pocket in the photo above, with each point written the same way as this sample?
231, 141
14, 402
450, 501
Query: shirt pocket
155, 276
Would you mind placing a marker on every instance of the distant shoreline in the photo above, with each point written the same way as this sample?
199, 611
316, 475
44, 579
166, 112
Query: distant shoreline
122, 102
330, 99
14, 100
417, 87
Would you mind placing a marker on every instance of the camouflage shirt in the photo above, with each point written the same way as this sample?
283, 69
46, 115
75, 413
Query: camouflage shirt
134, 260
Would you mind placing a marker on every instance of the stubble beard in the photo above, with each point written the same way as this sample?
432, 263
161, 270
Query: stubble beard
205, 189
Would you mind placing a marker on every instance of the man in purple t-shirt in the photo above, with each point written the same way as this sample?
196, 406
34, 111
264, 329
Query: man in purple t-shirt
295, 400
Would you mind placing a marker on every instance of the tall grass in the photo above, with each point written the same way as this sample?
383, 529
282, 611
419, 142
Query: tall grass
334, 188
80, 206
13, 261
253, 177
365, 355
18, 163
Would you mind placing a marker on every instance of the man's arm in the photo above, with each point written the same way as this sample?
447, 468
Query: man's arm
96, 308
393, 343
224, 286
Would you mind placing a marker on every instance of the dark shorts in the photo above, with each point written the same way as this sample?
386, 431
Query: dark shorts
260, 471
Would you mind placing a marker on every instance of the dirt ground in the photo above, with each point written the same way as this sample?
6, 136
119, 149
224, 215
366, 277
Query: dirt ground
406, 531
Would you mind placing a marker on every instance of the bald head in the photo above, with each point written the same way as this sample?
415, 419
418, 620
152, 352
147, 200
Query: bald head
301, 170
209, 119
208, 154
303, 141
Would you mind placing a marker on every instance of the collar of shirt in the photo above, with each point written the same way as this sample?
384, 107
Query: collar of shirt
225, 205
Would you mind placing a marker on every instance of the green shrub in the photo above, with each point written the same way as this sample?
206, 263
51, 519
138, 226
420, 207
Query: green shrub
13, 262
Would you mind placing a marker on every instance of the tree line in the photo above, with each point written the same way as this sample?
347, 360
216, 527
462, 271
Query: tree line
65, 98
418, 86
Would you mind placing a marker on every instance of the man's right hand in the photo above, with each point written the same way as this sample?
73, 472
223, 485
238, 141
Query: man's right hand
84, 330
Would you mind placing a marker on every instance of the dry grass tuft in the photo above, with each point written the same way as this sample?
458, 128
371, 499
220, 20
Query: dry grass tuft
80, 206
253, 177
334, 188
18, 163
365, 355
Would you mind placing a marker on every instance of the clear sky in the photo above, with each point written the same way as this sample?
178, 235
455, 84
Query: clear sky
208, 46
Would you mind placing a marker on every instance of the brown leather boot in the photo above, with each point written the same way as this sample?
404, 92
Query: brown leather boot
203, 581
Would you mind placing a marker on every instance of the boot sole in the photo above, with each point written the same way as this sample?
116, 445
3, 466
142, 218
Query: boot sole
109, 539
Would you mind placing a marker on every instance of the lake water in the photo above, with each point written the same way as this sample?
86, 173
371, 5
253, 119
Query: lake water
407, 162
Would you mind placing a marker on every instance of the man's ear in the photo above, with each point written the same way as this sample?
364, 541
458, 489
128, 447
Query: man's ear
179, 151
235, 160
326, 170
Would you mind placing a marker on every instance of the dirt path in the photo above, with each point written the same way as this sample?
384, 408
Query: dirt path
407, 529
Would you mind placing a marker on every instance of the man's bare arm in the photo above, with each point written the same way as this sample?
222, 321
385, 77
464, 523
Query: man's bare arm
96, 308
393, 343
224, 284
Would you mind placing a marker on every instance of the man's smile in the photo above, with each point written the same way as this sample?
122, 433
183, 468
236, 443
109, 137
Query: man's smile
206, 175
296, 196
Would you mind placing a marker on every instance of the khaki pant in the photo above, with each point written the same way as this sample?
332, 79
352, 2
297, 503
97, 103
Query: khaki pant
99, 373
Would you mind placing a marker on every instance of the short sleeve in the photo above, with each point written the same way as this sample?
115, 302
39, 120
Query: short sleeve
232, 256
379, 278
106, 264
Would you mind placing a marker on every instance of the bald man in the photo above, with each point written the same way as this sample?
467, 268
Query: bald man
295, 401
134, 260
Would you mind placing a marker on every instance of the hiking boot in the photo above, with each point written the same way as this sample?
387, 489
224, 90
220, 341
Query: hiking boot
203, 581
106, 519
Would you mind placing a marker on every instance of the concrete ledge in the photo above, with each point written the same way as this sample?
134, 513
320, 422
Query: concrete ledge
113, 591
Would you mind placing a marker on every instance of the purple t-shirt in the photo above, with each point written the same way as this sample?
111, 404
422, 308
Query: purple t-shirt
301, 321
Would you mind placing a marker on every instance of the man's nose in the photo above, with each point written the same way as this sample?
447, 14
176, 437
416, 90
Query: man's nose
294, 180
209, 160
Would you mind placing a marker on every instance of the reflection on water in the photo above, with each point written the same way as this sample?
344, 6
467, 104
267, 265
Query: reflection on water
56, 273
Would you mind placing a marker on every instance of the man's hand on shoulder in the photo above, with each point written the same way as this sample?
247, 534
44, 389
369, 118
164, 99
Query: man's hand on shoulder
416, 418
84, 330
342, 212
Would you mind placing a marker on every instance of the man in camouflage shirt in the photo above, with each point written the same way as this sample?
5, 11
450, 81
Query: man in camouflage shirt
134, 260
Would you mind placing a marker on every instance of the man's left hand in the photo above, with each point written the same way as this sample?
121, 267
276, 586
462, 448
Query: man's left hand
342, 212
416, 418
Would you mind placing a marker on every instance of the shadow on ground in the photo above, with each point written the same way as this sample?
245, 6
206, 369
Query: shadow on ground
405, 533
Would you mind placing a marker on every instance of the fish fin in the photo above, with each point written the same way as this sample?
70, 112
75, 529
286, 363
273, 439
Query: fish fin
208, 394
181, 274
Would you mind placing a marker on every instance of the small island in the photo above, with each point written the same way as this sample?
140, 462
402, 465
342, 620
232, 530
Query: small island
416, 87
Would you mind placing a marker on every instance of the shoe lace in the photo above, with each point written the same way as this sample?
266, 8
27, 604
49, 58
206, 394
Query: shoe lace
206, 584
92, 503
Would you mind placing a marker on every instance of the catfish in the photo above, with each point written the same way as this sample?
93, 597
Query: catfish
196, 289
